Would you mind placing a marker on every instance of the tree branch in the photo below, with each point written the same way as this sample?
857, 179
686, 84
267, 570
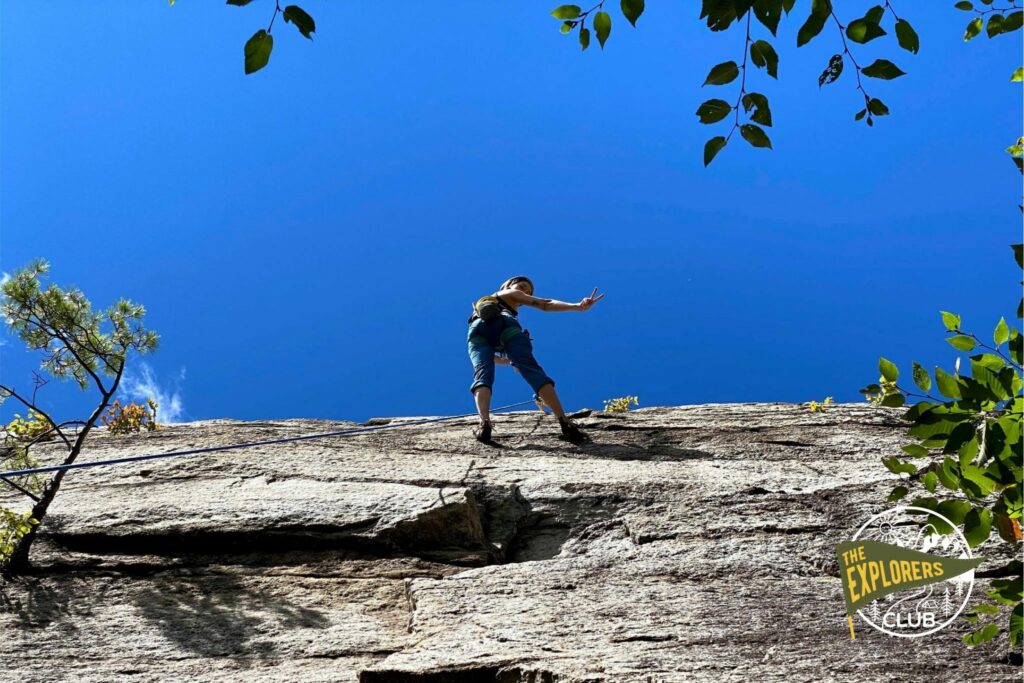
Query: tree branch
53, 332
32, 406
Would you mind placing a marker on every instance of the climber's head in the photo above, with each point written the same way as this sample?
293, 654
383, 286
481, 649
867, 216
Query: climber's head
520, 282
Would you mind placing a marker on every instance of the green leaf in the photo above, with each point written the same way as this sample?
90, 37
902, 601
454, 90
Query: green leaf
896, 466
820, 12
832, 71
882, 68
987, 608
988, 361
859, 115
713, 147
257, 51
1011, 425
947, 384
1017, 625
584, 38
1002, 333
723, 73
960, 435
949, 475
964, 5
602, 27
921, 377
930, 480
981, 635
877, 107
915, 451
632, 9
863, 31
1017, 349
1013, 21
296, 15
977, 526
951, 321
888, 369
755, 135
962, 342
1018, 249
1008, 591
919, 411
968, 452
566, 12
907, 37
768, 12
239, 3
981, 485
894, 400
720, 14
764, 56
954, 510
762, 114
995, 25
713, 111
973, 29
567, 26
1018, 75
897, 493
875, 14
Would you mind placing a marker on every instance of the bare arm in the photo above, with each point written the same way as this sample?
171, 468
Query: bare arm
523, 299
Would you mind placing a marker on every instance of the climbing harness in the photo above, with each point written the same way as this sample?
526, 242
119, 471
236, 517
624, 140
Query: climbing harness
487, 308
490, 307
266, 442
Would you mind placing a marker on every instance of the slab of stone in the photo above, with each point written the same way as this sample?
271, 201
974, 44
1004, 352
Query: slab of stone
694, 543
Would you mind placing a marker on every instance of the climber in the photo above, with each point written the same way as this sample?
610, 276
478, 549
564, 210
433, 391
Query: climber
491, 333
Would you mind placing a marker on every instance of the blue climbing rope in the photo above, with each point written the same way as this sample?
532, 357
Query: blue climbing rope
247, 444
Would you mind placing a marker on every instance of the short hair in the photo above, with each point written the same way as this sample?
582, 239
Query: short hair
518, 278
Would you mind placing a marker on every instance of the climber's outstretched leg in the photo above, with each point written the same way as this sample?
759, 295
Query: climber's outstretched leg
569, 429
520, 353
482, 395
481, 354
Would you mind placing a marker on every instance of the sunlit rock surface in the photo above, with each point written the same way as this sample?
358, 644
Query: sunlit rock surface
684, 544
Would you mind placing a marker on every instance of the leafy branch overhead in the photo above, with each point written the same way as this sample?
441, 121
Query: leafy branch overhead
573, 16
719, 15
258, 48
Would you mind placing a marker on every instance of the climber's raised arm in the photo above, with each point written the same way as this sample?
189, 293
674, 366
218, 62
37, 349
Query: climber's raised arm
521, 298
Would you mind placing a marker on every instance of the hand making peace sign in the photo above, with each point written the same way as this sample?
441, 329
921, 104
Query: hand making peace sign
585, 304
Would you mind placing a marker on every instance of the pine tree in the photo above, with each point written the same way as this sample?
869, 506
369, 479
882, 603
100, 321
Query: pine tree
947, 604
63, 325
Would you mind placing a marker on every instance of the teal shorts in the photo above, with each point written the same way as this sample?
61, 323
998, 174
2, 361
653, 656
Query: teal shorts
503, 335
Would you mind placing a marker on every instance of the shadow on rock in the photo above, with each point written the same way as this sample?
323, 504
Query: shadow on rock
220, 616
652, 453
38, 603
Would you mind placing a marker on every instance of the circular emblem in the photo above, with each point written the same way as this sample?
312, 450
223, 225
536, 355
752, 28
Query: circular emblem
919, 611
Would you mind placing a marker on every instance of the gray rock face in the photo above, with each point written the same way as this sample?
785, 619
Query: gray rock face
684, 544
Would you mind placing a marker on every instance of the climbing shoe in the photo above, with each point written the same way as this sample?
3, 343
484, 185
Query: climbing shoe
572, 433
483, 432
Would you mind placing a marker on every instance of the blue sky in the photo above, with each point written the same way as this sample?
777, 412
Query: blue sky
308, 240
